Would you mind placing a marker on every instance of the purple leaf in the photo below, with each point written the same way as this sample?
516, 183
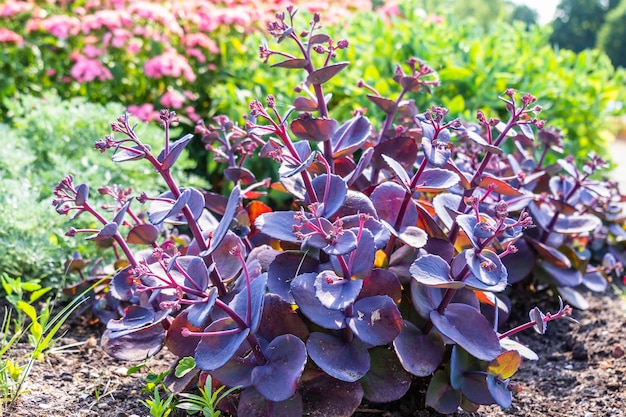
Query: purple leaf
175, 342
438, 154
469, 329
444, 204
283, 270
436, 179
425, 298
304, 104
467, 223
350, 136
562, 277
399, 172
107, 232
361, 261
175, 149
226, 263
376, 320
123, 284
237, 372
136, 345
595, 281
171, 211
550, 254
331, 192
385, 104
294, 63
466, 375
387, 198
279, 318
346, 361
319, 38
82, 194
313, 128
278, 225
240, 174
336, 292
224, 226
324, 74
133, 154
413, 236
240, 302
143, 234
303, 291
402, 150
488, 273
253, 404
382, 282
386, 380
574, 224
441, 396
277, 380
499, 389
215, 350
326, 396
433, 271
521, 264
498, 186
420, 354
573, 297
198, 314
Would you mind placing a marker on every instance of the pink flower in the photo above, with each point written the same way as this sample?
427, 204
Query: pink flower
169, 64
11, 8
200, 39
8, 36
92, 51
61, 26
86, 70
190, 112
196, 53
156, 13
172, 99
108, 19
144, 112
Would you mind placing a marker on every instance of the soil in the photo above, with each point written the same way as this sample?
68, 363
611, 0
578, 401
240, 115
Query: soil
581, 373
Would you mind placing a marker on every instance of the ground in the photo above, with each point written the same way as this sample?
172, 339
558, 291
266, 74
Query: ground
581, 373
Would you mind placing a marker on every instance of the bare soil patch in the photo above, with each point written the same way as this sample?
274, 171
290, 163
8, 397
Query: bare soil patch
581, 372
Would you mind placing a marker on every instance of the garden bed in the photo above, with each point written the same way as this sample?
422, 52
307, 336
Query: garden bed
580, 373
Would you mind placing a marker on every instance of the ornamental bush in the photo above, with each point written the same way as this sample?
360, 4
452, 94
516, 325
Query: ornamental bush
393, 264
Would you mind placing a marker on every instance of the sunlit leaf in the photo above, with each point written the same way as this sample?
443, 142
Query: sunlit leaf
376, 320
346, 361
215, 350
324, 74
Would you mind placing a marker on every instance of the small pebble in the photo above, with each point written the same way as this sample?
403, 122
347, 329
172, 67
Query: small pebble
121, 371
91, 342
45, 406
618, 351
103, 406
568, 366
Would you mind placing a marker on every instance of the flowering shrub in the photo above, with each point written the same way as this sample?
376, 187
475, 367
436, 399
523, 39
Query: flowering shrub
137, 53
392, 264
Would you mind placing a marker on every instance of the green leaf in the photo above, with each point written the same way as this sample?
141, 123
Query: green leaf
186, 365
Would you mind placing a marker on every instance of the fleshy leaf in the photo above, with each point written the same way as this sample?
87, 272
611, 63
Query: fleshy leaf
253, 404
284, 269
171, 211
278, 225
488, 273
433, 271
277, 380
413, 236
143, 234
133, 154
336, 292
214, 351
123, 284
350, 136
279, 318
402, 150
198, 314
382, 282
420, 354
136, 345
498, 186
82, 194
178, 344
346, 361
175, 150
291, 63
387, 198
331, 192
240, 174
313, 128
326, 396
386, 380
562, 277
240, 302
505, 365
499, 389
376, 320
321, 75
441, 396
436, 179
469, 329
303, 291
436, 154
106, 233
385, 104
224, 225
399, 171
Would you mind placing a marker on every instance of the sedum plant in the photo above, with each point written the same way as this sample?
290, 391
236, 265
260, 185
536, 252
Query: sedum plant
394, 261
